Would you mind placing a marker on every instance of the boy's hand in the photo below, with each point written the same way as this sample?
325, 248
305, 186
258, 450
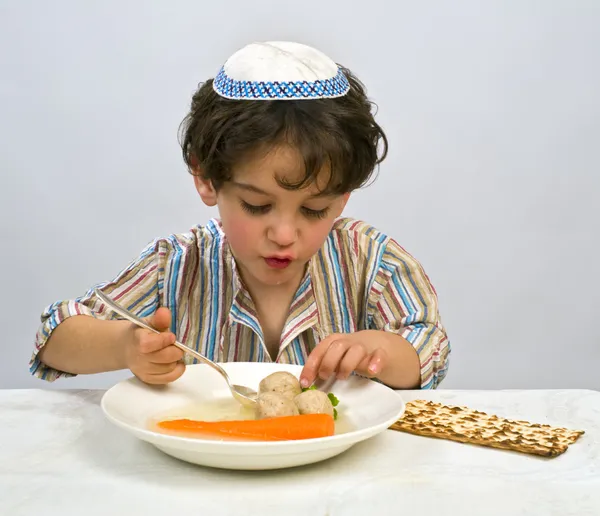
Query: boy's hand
152, 357
342, 354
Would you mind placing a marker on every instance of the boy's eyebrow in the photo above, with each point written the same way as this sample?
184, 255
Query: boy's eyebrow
250, 188
256, 189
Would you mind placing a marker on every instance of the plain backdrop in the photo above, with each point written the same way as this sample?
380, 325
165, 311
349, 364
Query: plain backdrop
493, 114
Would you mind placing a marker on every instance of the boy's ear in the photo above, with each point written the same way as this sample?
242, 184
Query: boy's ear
206, 190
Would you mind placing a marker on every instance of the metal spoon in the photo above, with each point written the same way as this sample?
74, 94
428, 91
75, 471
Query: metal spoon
244, 395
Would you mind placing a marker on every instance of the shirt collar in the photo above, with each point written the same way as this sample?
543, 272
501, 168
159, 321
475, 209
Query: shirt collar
304, 310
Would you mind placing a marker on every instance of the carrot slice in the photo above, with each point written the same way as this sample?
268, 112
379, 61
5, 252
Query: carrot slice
304, 426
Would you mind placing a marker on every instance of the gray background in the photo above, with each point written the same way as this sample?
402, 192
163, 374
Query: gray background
493, 113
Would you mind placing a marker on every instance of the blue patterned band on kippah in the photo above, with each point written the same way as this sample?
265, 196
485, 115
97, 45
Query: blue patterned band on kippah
280, 90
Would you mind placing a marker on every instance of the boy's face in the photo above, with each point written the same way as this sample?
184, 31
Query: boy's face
273, 232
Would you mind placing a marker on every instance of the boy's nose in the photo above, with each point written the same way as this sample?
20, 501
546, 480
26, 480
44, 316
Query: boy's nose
283, 234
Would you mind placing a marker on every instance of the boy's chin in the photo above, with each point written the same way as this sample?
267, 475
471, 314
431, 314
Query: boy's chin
275, 277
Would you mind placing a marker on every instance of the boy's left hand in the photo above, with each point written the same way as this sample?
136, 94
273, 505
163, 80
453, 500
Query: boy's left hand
342, 354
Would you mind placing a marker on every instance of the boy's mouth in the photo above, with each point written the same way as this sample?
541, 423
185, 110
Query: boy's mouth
277, 263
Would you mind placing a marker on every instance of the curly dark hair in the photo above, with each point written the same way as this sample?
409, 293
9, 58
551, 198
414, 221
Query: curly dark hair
340, 133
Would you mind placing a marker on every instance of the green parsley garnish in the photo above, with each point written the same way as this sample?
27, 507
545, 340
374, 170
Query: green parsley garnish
333, 399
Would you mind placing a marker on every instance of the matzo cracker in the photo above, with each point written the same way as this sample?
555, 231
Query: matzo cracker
466, 425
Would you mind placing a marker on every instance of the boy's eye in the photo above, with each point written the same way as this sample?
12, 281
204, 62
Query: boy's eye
315, 214
265, 208
256, 210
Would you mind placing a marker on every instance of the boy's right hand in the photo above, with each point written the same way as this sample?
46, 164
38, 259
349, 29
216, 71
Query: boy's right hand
152, 357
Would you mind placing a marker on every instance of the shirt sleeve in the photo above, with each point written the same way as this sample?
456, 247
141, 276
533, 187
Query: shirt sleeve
402, 300
136, 288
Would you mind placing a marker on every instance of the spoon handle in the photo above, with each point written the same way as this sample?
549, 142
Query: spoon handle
142, 324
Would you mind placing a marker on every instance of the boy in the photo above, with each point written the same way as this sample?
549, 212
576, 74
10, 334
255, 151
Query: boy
277, 141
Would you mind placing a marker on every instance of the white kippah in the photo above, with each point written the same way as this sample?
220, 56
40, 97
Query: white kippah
277, 70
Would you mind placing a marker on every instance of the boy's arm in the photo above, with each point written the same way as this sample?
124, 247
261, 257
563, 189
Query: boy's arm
85, 345
405, 345
82, 336
403, 303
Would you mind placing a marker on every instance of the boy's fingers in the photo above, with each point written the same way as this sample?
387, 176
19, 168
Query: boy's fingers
377, 362
313, 362
332, 358
364, 365
161, 319
166, 355
152, 342
159, 369
171, 376
351, 361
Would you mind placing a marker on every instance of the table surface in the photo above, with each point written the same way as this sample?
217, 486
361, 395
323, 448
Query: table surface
59, 455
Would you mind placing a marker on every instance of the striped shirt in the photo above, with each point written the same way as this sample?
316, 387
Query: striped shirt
360, 279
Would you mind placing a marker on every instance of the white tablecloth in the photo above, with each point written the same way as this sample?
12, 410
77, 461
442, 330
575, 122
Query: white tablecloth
58, 455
